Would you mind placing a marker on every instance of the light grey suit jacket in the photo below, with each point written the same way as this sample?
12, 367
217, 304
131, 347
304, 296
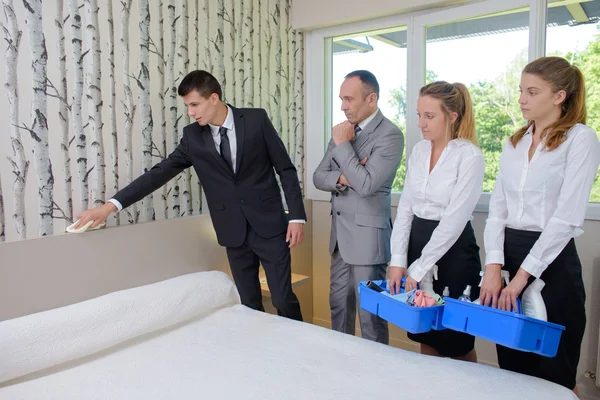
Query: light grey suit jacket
361, 223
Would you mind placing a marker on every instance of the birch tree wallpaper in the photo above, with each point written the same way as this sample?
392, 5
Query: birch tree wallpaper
89, 100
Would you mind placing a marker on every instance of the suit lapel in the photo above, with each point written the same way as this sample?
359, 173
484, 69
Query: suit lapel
369, 129
238, 121
361, 139
209, 143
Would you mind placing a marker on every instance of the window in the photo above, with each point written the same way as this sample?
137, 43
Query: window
483, 44
383, 53
574, 33
488, 53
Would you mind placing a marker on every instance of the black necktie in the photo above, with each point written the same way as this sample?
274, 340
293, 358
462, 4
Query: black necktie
225, 148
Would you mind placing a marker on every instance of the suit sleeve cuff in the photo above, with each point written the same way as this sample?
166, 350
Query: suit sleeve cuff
116, 203
398, 260
332, 179
534, 266
299, 221
494, 257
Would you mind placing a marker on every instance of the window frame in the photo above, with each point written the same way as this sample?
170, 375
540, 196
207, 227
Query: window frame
318, 72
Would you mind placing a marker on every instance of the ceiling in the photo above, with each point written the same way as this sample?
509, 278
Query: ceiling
571, 13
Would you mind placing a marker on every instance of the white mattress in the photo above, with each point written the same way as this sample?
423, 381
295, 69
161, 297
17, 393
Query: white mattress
232, 352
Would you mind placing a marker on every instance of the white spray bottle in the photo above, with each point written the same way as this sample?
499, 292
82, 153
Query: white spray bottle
532, 301
503, 273
426, 284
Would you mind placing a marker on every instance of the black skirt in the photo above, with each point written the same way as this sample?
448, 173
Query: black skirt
564, 296
459, 267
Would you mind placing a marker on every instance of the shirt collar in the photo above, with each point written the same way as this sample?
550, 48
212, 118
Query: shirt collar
228, 123
364, 123
530, 130
458, 142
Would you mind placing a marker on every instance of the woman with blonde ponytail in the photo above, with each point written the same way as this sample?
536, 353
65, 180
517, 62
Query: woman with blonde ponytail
537, 208
443, 183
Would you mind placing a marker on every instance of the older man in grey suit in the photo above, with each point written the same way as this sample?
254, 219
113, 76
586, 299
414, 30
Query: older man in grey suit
358, 169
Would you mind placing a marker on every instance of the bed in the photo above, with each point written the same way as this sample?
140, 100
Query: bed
189, 338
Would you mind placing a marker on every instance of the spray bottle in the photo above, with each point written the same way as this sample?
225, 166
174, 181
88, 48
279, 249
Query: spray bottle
503, 273
427, 281
533, 302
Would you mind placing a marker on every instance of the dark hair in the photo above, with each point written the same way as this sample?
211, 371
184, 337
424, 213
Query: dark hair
454, 97
368, 80
561, 76
200, 81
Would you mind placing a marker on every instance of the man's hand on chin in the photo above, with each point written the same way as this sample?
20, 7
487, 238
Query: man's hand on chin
342, 132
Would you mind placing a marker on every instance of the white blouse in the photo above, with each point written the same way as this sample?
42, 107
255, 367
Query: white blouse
448, 194
550, 194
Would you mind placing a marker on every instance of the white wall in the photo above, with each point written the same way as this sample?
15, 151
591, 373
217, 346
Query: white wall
312, 14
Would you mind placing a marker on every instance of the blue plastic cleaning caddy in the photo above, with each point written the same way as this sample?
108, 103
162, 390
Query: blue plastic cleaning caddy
508, 329
409, 318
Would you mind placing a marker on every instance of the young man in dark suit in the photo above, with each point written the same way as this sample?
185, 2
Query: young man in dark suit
234, 152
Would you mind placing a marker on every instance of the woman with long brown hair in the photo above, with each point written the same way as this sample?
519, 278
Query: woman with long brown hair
432, 227
537, 208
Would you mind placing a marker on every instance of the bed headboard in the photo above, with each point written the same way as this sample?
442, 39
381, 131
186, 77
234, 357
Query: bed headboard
45, 273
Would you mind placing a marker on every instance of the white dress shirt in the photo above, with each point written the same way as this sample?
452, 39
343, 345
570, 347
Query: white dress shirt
214, 130
548, 194
228, 123
448, 194
366, 121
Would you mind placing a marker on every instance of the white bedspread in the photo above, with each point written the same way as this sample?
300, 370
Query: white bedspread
237, 353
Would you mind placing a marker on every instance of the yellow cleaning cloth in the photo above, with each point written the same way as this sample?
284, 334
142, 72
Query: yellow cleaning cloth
71, 228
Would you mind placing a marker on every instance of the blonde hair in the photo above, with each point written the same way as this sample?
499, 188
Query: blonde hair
561, 75
454, 97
